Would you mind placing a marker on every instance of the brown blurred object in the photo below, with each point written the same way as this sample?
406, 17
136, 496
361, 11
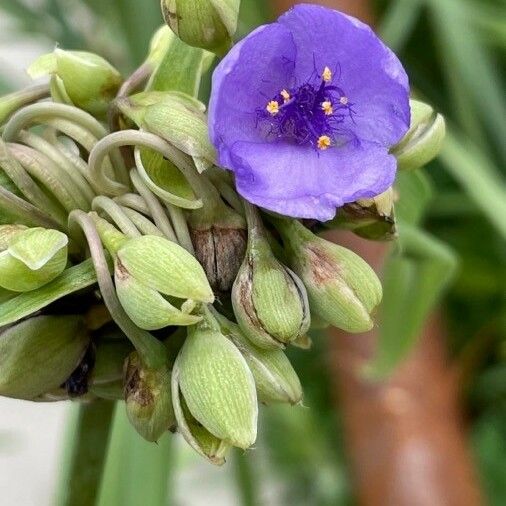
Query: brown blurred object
405, 436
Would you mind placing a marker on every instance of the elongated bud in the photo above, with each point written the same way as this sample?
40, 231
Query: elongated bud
275, 379
81, 78
148, 398
343, 289
30, 257
175, 117
269, 300
39, 354
217, 386
195, 434
209, 24
424, 139
372, 218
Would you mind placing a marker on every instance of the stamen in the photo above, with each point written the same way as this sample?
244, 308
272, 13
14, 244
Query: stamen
343, 100
286, 95
327, 107
324, 142
273, 107
327, 75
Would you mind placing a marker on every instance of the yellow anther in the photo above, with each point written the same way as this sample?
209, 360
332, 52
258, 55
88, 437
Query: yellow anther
324, 142
327, 74
285, 95
327, 107
273, 107
343, 100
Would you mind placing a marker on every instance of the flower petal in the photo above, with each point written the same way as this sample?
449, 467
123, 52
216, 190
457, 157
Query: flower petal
369, 72
245, 80
300, 182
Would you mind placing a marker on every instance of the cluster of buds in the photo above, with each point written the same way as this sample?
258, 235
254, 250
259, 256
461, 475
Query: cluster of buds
122, 245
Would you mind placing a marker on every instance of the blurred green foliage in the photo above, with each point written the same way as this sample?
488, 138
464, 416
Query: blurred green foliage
451, 49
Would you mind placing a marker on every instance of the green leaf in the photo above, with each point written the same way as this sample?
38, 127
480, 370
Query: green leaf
413, 282
478, 177
71, 280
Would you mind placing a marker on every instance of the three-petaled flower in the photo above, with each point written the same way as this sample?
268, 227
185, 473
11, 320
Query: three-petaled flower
304, 112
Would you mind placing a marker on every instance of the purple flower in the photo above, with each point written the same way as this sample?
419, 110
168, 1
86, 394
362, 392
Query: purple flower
304, 112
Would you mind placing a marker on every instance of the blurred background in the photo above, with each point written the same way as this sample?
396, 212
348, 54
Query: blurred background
412, 414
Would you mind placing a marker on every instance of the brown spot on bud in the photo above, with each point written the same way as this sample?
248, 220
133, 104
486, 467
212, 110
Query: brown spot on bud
221, 252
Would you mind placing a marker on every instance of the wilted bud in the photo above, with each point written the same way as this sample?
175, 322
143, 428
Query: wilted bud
148, 398
30, 257
148, 267
343, 289
84, 79
219, 238
424, 139
372, 218
175, 117
217, 386
275, 379
269, 300
39, 354
209, 24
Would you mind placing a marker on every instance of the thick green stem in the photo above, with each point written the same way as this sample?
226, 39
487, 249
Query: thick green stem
86, 460
245, 479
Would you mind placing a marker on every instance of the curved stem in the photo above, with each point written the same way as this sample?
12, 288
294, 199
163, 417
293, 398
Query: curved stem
143, 224
86, 460
49, 150
133, 201
155, 208
151, 350
32, 113
43, 110
136, 138
50, 175
27, 186
181, 227
12, 205
117, 214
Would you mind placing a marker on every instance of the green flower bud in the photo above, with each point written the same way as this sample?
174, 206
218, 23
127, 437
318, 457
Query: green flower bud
372, 218
147, 307
165, 267
194, 433
269, 300
424, 139
275, 379
148, 398
149, 269
209, 24
217, 386
30, 258
84, 79
39, 354
343, 289
175, 117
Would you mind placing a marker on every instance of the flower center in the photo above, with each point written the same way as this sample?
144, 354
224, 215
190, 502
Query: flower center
311, 114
